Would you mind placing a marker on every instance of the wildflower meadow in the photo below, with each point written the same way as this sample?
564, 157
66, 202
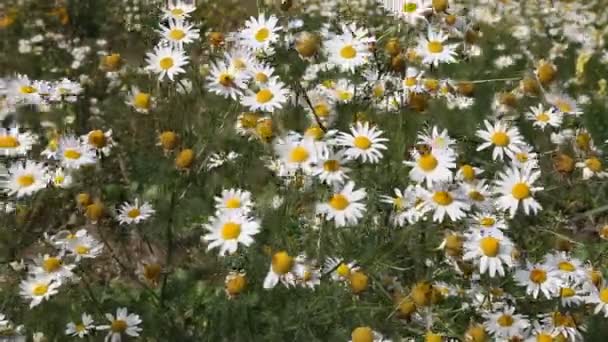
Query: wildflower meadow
303, 170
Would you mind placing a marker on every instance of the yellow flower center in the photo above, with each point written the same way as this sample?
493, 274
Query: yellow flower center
566, 266
236, 284
339, 202
432, 337
443, 198
362, 142
468, 173
82, 249
264, 95
398, 203
343, 270
152, 271
567, 292
427, 162
378, 91
487, 221
315, 132
51, 264
331, 165
542, 337
299, 155
410, 81
410, 7
543, 117
583, 141
141, 100
231, 230
344, 95
520, 191
476, 196
500, 139
261, 77
281, 262
134, 213
25, 180
362, 334
80, 328
177, 34
97, 138
262, 35
71, 154
563, 106
166, 63
435, 46
505, 320
40, 289
226, 80
521, 157
538, 276
27, 89
594, 164
239, 63
604, 295
118, 326
8, 141
233, 203
177, 12
348, 52
490, 246
322, 110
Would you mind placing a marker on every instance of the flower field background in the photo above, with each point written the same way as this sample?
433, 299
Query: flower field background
304, 170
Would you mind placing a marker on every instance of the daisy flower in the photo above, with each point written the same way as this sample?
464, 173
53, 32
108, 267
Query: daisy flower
366, 334
516, 189
123, 323
344, 206
297, 152
24, 91
100, 141
523, 158
599, 297
346, 51
82, 245
241, 61
323, 105
571, 294
226, 81
307, 275
261, 73
234, 201
178, 33
269, 97
74, 154
52, 266
134, 213
431, 166
564, 324
477, 194
343, 90
141, 101
433, 49
486, 222
569, 269
592, 167
228, 230
414, 209
442, 200
178, 10
81, 329
564, 104
505, 323
14, 143
166, 61
542, 117
340, 269
411, 11
37, 289
501, 136
539, 278
363, 142
491, 252
281, 268
330, 167
61, 179
436, 140
468, 173
26, 178
260, 33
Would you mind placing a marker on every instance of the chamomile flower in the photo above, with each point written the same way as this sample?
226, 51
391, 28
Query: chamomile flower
39, 288
364, 333
364, 142
26, 178
491, 252
340, 269
505, 323
260, 32
346, 51
307, 275
437, 140
15, 143
234, 201
297, 152
500, 136
166, 61
442, 200
330, 168
524, 158
22, 90
486, 222
281, 270
572, 294
468, 173
52, 266
434, 50
141, 101
178, 33
268, 97
178, 10
477, 194
564, 324
100, 141
228, 230
226, 81
344, 206
542, 117
564, 104
343, 90
123, 323
599, 298
539, 278
593, 166
261, 73
411, 11
431, 166
134, 213
81, 329
569, 269
241, 60
82, 245
74, 154
322, 104
516, 189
